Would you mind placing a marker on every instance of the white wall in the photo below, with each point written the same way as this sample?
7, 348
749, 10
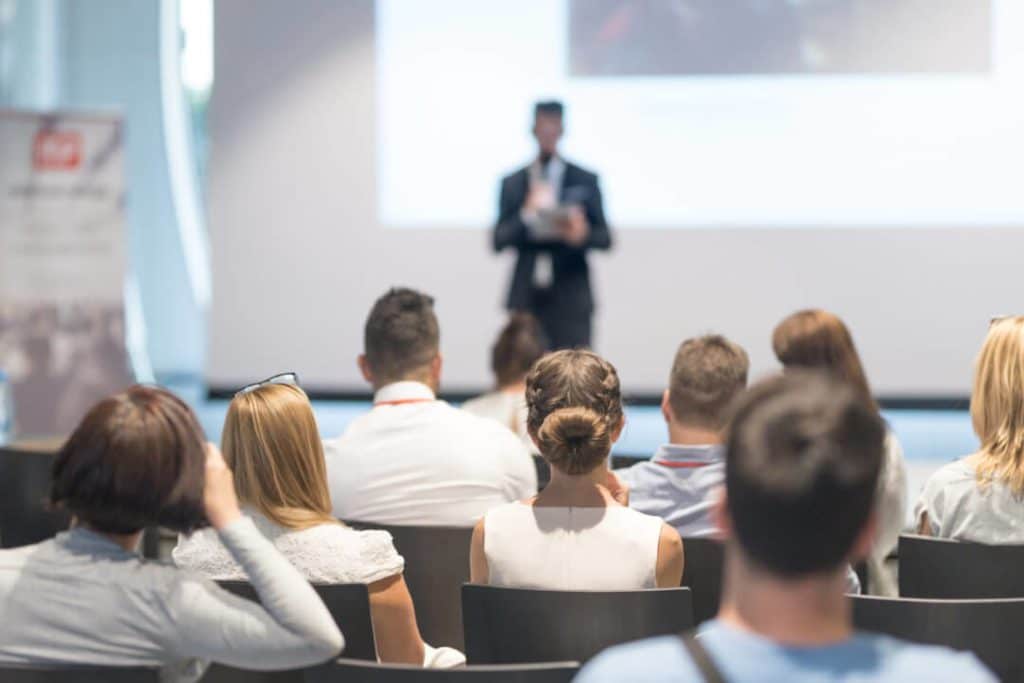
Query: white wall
299, 254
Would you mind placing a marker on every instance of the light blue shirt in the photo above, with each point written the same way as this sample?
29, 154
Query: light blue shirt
679, 484
743, 657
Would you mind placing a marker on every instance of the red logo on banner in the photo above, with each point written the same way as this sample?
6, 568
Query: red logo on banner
57, 150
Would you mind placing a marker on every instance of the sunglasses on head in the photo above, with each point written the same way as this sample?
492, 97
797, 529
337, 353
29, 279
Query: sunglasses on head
290, 378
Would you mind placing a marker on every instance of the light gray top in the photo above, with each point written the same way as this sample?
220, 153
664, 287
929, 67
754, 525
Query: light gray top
81, 599
680, 484
959, 509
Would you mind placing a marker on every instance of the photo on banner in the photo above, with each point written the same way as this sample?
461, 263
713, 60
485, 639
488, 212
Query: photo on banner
62, 266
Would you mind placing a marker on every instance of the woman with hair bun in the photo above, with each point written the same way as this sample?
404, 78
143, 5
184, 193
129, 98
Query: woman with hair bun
577, 534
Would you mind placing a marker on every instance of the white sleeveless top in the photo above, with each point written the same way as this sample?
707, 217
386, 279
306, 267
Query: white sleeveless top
571, 548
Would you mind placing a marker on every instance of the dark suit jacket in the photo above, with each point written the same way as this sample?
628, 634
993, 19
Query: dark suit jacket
570, 287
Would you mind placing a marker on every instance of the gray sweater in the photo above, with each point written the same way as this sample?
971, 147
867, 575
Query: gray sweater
81, 599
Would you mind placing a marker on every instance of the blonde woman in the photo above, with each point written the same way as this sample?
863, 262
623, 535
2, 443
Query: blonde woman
272, 443
980, 497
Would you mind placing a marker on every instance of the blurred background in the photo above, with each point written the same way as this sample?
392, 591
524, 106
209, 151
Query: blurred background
279, 165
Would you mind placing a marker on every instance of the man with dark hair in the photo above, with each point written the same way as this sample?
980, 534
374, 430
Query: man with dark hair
414, 459
551, 212
681, 482
802, 461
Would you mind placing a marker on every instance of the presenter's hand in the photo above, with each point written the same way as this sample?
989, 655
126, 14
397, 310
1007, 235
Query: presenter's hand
576, 230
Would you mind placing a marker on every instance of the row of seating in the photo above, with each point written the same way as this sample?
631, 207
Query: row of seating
519, 626
340, 671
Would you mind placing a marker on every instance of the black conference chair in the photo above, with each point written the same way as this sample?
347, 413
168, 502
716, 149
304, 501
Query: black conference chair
78, 674
436, 566
939, 568
518, 626
348, 603
702, 574
25, 517
350, 671
988, 628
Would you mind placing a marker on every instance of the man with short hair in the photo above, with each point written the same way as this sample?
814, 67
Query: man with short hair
681, 482
802, 461
414, 459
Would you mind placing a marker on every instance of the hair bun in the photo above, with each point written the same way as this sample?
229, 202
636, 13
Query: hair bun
575, 439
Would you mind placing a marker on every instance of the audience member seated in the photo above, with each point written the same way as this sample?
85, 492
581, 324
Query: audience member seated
272, 445
577, 534
86, 597
818, 339
414, 459
802, 462
520, 344
684, 478
979, 498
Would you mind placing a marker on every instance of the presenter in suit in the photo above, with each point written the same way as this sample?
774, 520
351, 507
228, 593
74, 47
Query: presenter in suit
551, 213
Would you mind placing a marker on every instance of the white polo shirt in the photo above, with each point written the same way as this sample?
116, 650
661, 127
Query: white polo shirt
416, 460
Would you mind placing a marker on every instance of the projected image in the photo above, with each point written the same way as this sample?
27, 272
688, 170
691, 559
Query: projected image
722, 37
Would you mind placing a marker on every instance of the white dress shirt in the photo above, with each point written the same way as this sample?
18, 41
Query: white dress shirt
416, 460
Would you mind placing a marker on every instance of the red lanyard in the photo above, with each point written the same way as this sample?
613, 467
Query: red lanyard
682, 465
404, 401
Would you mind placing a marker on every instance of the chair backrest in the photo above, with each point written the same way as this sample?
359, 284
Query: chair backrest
517, 625
436, 566
78, 674
348, 603
988, 628
702, 574
25, 517
941, 568
351, 671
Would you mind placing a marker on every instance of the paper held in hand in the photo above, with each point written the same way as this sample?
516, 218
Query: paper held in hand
548, 225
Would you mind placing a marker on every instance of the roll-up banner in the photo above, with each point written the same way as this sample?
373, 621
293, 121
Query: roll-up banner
62, 266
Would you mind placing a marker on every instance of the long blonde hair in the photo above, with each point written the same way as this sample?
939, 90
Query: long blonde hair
997, 404
272, 444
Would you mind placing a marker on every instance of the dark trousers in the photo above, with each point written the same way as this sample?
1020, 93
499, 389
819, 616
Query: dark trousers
565, 327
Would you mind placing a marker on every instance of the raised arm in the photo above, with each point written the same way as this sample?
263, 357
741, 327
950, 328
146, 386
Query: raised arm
291, 628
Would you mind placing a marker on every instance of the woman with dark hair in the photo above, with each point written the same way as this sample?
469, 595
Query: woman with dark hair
520, 344
818, 339
138, 459
577, 534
